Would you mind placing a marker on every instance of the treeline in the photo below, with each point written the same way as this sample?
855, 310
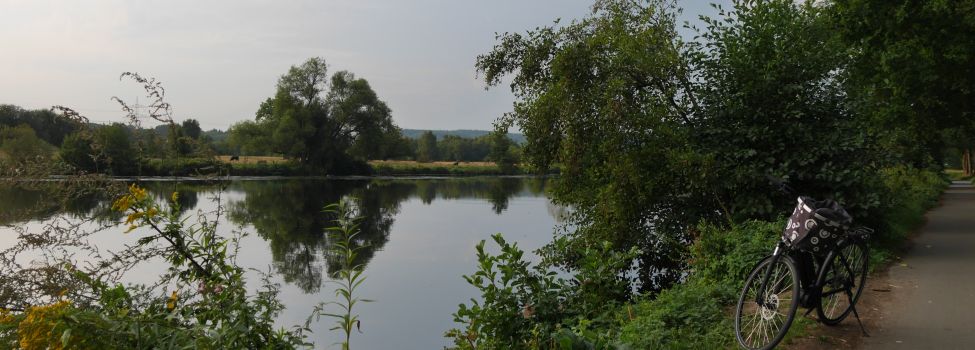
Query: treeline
115, 149
320, 123
664, 145
336, 122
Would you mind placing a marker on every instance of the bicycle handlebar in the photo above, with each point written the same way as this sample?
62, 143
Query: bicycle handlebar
780, 184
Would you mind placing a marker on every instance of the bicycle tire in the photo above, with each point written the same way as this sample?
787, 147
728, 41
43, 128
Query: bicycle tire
757, 327
834, 304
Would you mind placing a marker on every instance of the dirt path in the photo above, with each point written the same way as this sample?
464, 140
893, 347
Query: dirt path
926, 300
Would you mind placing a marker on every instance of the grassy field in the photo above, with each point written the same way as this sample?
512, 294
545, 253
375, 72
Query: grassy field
957, 174
411, 163
254, 159
402, 167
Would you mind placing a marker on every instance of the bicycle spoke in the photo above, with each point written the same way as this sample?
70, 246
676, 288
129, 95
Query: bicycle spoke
767, 304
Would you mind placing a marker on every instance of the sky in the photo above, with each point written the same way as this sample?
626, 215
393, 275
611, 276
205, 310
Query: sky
218, 59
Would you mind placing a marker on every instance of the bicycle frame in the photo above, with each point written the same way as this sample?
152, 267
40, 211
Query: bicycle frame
808, 266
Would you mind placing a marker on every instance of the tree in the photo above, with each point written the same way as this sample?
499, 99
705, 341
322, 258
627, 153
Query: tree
77, 151
426, 148
913, 69
501, 151
47, 125
20, 144
605, 99
106, 149
326, 123
353, 102
250, 138
787, 116
191, 129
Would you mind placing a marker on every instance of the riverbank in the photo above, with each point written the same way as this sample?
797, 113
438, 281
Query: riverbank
279, 167
698, 314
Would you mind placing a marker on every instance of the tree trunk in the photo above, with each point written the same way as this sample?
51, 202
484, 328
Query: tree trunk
966, 162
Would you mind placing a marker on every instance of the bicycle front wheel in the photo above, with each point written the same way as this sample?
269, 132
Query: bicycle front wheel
842, 283
764, 315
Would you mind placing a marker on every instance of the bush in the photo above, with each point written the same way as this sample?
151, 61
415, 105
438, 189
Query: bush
694, 314
530, 307
20, 144
907, 194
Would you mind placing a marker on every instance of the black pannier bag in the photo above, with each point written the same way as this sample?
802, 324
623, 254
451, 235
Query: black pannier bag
815, 226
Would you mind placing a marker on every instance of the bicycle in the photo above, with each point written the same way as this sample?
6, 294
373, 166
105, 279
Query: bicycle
820, 264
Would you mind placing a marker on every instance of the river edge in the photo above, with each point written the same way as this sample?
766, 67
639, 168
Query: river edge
61, 178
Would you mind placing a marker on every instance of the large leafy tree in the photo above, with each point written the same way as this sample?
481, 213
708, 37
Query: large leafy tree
914, 69
108, 149
604, 98
426, 147
323, 121
769, 82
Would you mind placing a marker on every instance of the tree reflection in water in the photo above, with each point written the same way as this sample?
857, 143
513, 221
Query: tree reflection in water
286, 213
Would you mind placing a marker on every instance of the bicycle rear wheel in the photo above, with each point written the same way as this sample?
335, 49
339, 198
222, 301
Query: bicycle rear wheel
843, 281
762, 326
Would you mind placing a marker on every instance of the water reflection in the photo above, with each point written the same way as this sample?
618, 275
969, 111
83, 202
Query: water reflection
22, 202
288, 214
285, 213
419, 237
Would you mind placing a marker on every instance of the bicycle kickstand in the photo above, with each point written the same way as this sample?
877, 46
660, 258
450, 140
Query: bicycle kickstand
853, 306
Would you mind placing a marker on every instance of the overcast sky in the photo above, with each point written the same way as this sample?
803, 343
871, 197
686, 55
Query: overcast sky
219, 59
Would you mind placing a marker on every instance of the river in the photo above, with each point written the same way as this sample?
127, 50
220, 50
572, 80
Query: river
420, 236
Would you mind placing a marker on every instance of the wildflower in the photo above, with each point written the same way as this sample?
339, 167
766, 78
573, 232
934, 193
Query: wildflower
37, 329
171, 303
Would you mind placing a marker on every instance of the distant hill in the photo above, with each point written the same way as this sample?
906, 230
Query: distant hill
470, 134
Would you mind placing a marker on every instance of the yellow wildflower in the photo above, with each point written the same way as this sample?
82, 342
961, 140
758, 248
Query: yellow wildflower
175, 197
137, 192
171, 303
5, 316
37, 329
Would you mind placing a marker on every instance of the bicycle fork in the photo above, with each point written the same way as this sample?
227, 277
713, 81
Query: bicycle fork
760, 293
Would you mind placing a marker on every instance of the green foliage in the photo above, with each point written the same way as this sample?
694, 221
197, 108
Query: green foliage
249, 138
693, 315
106, 149
329, 123
689, 316
515, 297
426, 148
350, 276
907, 194
601, 97
726, 256
47, 125
529, 306
913, 64
191, 128
771, 102
503, 151
419, 169
456, 148
76, 150
20, 144
212, 306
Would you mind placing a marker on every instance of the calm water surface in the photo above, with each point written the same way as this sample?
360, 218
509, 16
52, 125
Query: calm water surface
420, 236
